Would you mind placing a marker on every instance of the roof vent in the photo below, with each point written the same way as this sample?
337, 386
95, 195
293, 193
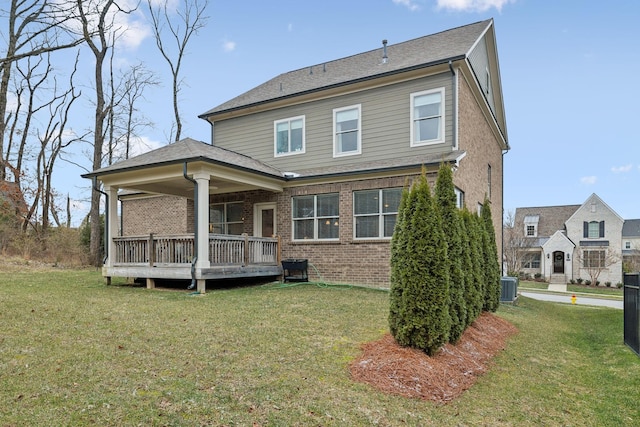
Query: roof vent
385, 58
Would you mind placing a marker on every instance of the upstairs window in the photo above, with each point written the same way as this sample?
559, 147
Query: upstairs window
289, 136
346, 131
459, 198
531, 231
226, 218
316, 217
593, 229
376, 212
531, 225
427, 112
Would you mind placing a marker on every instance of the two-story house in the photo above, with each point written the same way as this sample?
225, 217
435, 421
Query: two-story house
570, 242
311, 165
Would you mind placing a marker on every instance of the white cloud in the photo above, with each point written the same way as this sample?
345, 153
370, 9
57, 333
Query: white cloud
472, 5
621, 169
409, 4
228, 45
589, 180
143, 144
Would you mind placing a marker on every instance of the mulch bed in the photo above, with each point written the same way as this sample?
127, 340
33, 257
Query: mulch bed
441, 378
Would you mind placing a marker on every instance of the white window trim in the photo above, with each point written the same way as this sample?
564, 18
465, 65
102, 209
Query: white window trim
316, 219
380, 215
275, 136
335, 141
443, 110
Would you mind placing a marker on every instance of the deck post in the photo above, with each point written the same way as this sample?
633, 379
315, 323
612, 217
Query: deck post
151, 251
245, 260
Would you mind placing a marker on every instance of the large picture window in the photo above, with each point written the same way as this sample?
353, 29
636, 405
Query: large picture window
427, 117
316, 217
593, 259
375, 212
289, 136
226, 218
531, 260
346, 131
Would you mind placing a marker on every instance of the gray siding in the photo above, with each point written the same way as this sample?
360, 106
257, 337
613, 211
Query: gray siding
479, 60
385, 127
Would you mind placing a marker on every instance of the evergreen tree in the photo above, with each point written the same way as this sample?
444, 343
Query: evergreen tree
398, 251
422, 320
474, 273
492, 267
451, 222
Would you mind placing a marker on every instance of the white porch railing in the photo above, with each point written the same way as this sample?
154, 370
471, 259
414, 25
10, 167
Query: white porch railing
179, 249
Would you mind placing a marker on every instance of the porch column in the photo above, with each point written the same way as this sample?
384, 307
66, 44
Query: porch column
202, 251
112, 227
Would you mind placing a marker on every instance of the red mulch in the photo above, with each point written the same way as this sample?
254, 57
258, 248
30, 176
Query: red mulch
441, 378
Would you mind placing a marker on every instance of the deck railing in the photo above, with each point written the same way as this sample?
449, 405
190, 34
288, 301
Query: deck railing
179, 249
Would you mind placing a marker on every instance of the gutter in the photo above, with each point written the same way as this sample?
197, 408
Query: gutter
454, 86
106, 219
195, 228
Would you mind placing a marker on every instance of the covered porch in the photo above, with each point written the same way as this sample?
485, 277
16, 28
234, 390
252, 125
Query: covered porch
192, 170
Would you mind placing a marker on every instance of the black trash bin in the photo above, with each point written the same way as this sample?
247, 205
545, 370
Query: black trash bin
295, 270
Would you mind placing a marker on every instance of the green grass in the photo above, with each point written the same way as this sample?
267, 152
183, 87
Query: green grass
76, 352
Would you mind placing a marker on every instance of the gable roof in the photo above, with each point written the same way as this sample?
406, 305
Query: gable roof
595, 198
631, 228
427, 51
188, 150
551, 218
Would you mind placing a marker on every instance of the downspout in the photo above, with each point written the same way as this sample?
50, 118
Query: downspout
195, 227
106, 218
504, 273
454, 115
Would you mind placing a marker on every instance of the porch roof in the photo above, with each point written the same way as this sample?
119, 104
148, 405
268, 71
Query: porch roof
188, 150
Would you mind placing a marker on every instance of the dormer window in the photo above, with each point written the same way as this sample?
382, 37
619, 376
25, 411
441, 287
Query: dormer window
427, 117
531, 225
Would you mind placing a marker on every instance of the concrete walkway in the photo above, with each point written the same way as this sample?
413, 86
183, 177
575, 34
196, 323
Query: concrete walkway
580, 299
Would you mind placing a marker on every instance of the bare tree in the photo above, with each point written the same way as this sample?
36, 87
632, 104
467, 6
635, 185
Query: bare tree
34, 28
97, 20
596, 260
190, 18
516, 244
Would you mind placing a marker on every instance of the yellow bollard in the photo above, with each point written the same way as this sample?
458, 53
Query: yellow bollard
573, 299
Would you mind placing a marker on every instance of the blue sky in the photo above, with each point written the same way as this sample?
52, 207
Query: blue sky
568, 72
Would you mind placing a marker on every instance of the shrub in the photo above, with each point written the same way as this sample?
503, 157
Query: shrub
491, 266
580, 281
572, 281
607, 284
619, 285
445, 198
419, 307
587, 282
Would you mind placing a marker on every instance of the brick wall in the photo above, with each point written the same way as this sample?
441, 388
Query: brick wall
482, 148
157, 215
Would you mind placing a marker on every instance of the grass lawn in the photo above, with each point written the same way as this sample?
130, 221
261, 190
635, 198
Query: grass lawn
76, 352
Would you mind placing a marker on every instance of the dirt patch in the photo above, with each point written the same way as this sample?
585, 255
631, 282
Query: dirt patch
441, 378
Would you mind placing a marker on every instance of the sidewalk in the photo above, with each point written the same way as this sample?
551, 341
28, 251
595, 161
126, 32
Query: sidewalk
581, 299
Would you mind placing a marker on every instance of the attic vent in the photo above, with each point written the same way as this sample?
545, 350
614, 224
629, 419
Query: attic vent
385, 58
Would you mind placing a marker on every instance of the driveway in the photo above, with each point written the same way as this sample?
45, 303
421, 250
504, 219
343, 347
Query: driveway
582, 300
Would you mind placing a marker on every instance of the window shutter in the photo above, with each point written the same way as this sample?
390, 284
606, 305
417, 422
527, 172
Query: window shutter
601, 229
585, 228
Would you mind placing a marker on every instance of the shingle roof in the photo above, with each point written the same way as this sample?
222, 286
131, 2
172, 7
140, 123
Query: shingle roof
552, 218
188, 150
417, 53
631, 228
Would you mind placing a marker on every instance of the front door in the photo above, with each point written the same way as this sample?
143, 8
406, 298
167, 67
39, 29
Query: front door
558, 262
264, 224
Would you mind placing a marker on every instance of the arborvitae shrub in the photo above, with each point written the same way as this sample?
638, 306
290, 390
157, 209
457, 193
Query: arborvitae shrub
492, 268
419, 316
474, 273
451, 223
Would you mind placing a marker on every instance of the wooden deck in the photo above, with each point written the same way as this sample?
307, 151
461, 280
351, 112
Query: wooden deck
171, 257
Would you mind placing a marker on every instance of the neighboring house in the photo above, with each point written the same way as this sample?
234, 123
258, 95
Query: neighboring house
311, 165
631, 244
564, 243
